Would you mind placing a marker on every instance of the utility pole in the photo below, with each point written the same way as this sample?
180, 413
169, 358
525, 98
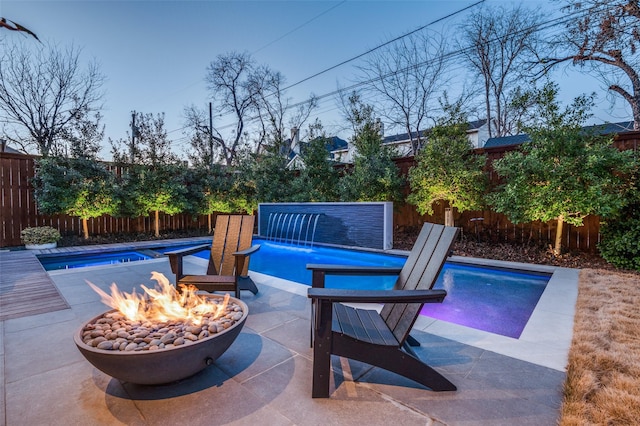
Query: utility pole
210, 222
211, 133
133, 136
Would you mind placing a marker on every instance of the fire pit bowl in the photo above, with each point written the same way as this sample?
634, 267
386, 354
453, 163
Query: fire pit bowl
166, 365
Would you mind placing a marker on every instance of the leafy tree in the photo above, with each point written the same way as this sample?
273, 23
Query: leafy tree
158, 188
85, 135
203, 150
318, 179
43, 92
374, 176
79, 187
447, 169
564, 173
264, 178
214, 190
153, 180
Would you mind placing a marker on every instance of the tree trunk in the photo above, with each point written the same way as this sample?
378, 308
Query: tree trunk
448, 217
487, 106
85, 229
157, 223
209, 222
557, 249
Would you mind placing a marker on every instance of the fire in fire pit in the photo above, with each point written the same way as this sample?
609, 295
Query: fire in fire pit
162, 336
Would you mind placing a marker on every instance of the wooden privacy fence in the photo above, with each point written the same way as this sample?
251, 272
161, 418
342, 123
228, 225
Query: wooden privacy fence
18, 211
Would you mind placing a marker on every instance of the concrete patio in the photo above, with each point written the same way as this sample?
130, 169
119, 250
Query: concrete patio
265, 376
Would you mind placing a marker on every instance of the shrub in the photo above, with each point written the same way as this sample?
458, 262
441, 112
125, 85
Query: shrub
40, 235
620, 243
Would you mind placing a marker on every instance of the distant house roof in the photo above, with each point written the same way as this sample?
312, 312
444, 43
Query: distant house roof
477, 124
507, 140
601, 129
607, 128
400, 137
336, 143
473, 125
333, 143
6, 148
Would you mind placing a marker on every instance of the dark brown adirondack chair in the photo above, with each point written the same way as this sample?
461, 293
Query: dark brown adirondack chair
379, 339
229, 261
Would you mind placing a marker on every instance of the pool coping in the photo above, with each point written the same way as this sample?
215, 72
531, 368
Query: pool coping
544, 341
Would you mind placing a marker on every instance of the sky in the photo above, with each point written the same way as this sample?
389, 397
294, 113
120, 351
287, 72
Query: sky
155, 53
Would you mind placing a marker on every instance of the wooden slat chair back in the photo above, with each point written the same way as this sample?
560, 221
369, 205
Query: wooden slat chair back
228, 267
420, 272
233, 233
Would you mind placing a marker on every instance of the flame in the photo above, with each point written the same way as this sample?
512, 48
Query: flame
163, 303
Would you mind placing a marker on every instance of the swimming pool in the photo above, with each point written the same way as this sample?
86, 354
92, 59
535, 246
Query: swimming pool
72, 261
494, 300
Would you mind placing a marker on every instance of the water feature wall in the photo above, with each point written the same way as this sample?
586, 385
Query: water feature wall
366, 224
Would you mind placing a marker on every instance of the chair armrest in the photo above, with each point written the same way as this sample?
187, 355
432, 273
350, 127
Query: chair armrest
319, 271
188, 251
354, 269
241, 257
248, 252
175, 258
376, 296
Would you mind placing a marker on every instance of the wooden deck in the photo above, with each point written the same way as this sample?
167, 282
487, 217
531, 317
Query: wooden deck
25, 287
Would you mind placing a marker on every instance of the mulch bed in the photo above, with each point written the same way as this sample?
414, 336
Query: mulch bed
526, 253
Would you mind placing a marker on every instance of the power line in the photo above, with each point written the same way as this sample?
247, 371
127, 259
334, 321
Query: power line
383, 44
300, 26
271, 43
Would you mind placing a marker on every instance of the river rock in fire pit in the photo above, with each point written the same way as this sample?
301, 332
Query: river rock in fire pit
162, 353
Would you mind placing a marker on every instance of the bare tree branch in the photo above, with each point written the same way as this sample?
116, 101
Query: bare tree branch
43, 92
408, 75
606, 33
499, 44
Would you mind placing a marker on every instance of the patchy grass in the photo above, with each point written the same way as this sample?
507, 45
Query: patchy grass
603, 374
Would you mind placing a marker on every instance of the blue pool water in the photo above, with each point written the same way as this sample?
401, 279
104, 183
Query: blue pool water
493, 300
52, 263
290, 263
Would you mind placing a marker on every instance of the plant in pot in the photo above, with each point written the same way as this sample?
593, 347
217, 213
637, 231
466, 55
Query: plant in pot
40, 237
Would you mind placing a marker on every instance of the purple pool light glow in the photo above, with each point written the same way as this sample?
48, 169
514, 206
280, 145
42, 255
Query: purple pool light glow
488, 299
